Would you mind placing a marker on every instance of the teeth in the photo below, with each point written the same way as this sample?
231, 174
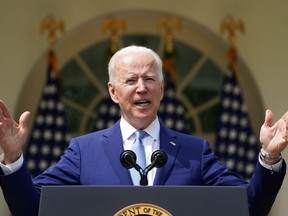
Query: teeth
142, 102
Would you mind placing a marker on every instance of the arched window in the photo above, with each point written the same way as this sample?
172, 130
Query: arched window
200, 66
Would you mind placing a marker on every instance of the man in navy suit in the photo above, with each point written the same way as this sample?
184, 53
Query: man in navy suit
136, 85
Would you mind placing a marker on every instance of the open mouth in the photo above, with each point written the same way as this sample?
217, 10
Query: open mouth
142, 103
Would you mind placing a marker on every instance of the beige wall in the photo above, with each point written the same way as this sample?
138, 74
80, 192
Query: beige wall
263, 47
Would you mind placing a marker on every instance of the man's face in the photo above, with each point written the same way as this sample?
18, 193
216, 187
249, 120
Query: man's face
138, 89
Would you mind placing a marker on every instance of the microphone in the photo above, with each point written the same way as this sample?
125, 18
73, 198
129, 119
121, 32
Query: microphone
128, 160
158, 159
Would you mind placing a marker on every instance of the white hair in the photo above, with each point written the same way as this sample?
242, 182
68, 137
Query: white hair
129, 50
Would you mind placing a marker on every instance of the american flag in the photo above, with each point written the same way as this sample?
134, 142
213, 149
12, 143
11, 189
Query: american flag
236, 144
171, 111
49, 136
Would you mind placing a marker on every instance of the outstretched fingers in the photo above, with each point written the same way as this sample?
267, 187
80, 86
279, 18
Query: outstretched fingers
24, 119
284, 129
268, 118
4, 112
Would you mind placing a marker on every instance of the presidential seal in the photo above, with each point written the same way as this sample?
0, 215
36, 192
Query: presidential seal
143, 209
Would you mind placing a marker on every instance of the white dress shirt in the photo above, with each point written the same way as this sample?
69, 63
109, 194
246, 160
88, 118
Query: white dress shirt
151, 142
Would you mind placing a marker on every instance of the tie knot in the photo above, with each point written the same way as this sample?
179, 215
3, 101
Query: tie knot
140, 134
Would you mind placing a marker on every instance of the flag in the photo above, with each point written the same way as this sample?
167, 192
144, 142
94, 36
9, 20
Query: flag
49, 135
172, 111
108, 113
236, 144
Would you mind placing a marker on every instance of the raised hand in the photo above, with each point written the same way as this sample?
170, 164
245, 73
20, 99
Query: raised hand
12, 135
274, 137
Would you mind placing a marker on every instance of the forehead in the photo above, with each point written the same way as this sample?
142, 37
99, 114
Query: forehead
136, 62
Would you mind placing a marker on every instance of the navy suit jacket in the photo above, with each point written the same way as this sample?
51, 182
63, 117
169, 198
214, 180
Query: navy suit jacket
94, 159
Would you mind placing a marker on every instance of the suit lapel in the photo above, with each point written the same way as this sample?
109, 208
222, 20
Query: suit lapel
169, 144
113, 147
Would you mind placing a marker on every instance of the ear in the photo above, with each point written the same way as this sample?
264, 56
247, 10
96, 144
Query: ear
112, 92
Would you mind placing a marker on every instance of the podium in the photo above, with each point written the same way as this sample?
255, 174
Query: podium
143, 200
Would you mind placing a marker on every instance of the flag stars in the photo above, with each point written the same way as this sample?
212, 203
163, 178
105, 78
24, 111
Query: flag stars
50, 89
169, 122
179, 125
51, 104
179, 110
244, 108
226, 103
240, 166
234, 120
53, 163
49, 119
39, 120
113, 110
243, 137
170, 108
228, 87
243, 122
231, 149
31, 164
67, 137
43, 105
49, 129
43, 164
235, 105
56, 151
103, 109
33, 149
36, 134
222, 147
250, 168
241, 151
252, 140
230, 163
236, 90
224, 118
170, 93
47, 135
45, 150
59, 121
251, 155
58, 136
110, 123
60, 107
99, 124
236, 144
223, 132
233, 134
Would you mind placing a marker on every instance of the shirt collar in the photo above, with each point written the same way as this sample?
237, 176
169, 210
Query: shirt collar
128, 130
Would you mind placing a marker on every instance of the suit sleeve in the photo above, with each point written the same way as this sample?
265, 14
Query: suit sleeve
261, 190
19, 192
23, 195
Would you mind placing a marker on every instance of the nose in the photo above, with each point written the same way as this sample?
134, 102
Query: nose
141, 85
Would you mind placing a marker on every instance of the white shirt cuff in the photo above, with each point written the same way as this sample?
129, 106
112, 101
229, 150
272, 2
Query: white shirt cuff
276, 167
11, 168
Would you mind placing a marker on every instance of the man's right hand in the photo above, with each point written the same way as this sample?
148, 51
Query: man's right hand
12, 135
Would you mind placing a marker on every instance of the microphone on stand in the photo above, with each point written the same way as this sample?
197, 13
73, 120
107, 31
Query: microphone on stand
158, 159
128, 160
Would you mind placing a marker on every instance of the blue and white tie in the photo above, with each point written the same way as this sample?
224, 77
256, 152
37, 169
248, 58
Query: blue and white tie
139, 150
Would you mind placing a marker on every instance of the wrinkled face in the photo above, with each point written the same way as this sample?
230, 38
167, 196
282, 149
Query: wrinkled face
138, 89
